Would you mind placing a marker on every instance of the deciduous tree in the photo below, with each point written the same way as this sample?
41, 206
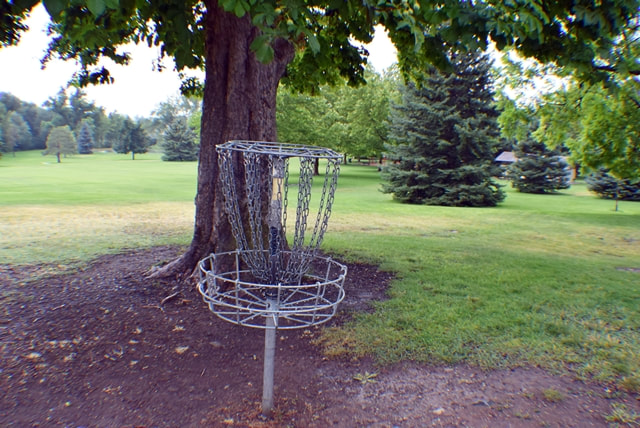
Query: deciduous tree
60, 142
16, 132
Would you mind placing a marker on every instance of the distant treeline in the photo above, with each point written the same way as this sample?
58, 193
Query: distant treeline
26, 126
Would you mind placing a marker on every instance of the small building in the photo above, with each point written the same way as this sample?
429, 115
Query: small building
506, 158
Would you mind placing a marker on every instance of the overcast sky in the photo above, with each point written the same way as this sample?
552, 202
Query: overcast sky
137, 89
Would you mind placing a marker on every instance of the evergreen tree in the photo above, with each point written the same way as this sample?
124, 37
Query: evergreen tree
609, 187
60, 142
179, 142
538, 169
85, 138
444, 136
133, 139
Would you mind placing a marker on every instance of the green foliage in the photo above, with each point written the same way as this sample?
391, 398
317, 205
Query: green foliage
17, 133
305, 119
58, 110
179, 142
538, 169
60, 142
85, 138
172, 109
577, 35
350, 120
600, 126
608, 187
444, 139
132, 139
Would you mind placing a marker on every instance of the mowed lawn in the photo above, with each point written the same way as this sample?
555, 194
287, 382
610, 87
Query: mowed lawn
545, 280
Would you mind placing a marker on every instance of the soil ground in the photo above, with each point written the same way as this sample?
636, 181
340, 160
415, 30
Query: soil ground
104, 347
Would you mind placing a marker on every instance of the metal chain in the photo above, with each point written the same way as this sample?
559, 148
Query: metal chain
259, 182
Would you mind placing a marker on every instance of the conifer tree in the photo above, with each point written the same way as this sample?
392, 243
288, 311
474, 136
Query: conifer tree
85, 139
444, 136
133, 139
179, 142
609, 187
538, 169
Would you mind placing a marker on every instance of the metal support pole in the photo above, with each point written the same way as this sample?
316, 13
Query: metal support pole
269, 361
275, 229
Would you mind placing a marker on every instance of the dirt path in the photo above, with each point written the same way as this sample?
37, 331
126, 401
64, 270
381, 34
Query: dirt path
98, 348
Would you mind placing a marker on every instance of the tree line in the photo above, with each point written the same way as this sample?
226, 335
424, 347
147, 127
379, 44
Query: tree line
67, 124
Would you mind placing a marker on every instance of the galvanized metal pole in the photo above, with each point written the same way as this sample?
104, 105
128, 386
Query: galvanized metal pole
275, 229
269, 361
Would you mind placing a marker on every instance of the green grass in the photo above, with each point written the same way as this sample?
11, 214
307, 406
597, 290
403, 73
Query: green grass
89, 205
546, 280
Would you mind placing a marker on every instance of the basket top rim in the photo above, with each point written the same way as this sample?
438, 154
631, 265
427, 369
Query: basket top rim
277, 149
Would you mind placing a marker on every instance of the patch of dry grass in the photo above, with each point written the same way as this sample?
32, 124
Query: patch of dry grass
67, 234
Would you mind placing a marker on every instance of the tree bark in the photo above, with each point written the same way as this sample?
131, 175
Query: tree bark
239, 103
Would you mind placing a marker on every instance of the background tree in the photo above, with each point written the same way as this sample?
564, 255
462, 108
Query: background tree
60, 142
538, 169
245, 49
133, 139
348, 120
85, 138
443, 139
114, 129
600, 126
179, 142
58, 106
360, 115
304, 119
609, 187
16, 133
173, 108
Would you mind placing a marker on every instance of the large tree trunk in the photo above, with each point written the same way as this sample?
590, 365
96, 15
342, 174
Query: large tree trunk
239, 104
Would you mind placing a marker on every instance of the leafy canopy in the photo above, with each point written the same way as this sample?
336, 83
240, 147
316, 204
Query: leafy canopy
582, 35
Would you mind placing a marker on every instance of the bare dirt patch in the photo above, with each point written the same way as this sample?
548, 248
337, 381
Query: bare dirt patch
101, 347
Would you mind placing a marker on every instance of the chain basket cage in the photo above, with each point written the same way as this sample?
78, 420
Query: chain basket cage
269, 276
233, 295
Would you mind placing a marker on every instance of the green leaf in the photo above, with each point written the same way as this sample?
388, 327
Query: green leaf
228, 5
262, 48
96, 7
313, 42
55, 7
241, 8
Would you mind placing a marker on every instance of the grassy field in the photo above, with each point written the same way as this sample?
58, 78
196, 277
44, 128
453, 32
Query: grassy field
548, 280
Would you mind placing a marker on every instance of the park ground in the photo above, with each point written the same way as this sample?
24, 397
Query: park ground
101, 346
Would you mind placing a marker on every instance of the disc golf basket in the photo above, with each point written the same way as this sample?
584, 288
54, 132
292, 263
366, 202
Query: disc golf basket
276, 278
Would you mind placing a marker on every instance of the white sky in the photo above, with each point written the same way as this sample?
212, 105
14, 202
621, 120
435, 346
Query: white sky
137, 89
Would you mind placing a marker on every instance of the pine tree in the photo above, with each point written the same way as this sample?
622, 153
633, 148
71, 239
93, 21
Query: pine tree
85, 139
133, 138
179, 142
444, 135
609, 187
538, 169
